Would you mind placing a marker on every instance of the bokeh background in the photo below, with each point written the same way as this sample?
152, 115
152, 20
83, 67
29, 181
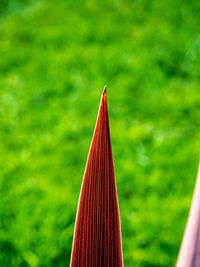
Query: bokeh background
55, 58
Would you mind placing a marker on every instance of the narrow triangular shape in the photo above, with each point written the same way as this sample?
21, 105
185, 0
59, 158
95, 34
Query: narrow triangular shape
189, 255
97, 235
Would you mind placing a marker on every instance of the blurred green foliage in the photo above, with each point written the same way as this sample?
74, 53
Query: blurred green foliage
55, 57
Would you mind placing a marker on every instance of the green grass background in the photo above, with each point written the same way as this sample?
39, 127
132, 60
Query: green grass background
55, 58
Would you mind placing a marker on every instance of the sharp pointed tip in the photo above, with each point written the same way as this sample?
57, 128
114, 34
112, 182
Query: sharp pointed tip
104, 89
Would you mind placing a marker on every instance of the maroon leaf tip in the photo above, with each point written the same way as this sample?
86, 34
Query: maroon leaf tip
104, 89
97, 235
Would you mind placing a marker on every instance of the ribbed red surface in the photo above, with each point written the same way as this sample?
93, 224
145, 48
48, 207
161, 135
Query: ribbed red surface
97, 236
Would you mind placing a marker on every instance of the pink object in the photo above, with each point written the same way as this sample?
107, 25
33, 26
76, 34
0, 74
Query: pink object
189, 254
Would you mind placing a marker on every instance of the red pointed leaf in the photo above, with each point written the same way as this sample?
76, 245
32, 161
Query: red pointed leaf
97, 235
